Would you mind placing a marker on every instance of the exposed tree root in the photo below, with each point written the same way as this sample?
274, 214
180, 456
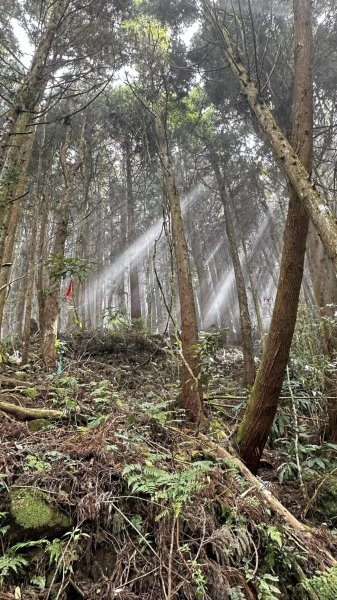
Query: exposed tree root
274, 504
26, 414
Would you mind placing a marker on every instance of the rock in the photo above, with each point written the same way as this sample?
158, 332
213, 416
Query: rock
38, 425
35, 512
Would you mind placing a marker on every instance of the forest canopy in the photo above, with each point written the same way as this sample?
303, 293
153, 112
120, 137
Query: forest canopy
168, 296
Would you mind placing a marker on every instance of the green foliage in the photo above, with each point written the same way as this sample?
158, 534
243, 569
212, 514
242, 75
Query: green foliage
63, 393
10, 176
10, 563
310, 365
103, 397
61, 554
96, 420
30, 393
323, 586
162, 410
38, 425
150, 32
55, 551
34, 463
236, 593
199, 110
59, 266
315, 460
209, 343
267, 588
273, 546
3, 528
138, 324
118, 321
198, 578
39, 581
174, 489
101, 393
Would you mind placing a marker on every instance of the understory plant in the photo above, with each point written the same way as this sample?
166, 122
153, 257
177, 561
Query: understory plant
171, 489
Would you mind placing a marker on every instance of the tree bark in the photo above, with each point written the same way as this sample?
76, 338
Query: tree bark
20, 128
192, 394
321, 216
324, 283
12, 221
255, 294
245, 322
52, 300
262, 404
207, 296
30, 290
135, 305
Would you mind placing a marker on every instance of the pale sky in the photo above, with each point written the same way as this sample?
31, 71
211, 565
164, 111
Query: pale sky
24, 43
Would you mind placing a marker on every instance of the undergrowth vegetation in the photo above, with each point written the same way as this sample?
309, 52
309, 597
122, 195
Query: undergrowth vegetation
139, 506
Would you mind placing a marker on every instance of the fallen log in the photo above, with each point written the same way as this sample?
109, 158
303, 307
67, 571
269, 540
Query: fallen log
4, 379
268, 498
257, 485
27, 414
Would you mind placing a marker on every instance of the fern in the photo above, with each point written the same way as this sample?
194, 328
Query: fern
231, 545
323, 586
10, 563
175, 489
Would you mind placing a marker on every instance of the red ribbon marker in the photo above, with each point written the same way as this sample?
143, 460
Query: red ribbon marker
69, 290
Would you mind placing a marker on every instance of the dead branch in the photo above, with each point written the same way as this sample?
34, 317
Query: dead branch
16, 382
26, 414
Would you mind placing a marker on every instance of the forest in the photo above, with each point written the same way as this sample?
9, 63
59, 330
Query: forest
168, 299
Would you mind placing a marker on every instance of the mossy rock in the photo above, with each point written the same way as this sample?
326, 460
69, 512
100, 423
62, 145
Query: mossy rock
38, 425
35, 512
325, 507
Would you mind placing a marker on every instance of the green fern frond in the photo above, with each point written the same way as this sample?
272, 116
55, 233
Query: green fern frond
322, 586
175, 489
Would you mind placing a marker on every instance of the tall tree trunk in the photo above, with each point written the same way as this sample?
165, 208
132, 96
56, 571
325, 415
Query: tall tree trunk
324, 283
30, 290
322, 217
192, 396
207, 298
42, 256
12, 221
262, 404
214, 281
52, 301
221, 272
245, 322
21, 289
20, 128
135, 305
255, 294
149, 286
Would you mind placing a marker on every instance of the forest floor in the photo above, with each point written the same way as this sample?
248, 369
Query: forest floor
120, 498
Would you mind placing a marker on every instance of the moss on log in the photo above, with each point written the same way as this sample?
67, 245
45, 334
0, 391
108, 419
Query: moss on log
28, 414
